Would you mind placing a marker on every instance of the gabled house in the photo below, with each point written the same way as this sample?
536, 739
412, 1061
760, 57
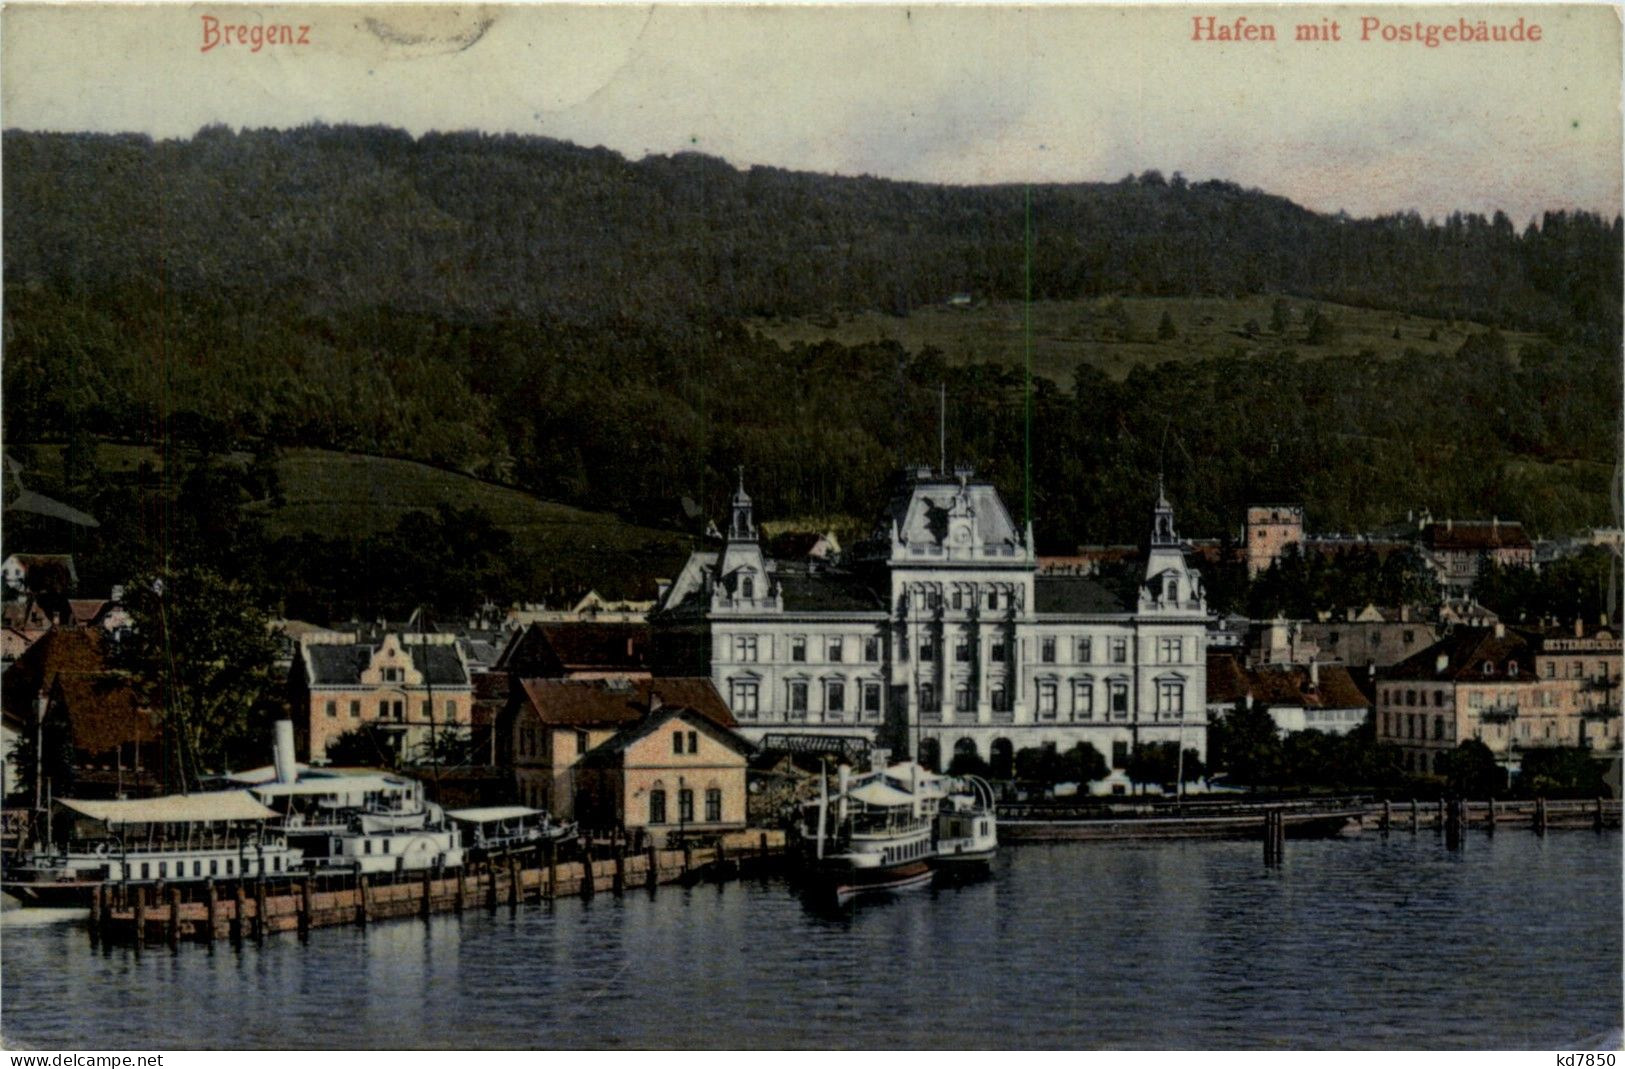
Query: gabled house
676, 771
1312, 697
52, 573
401, 688
578, 650
95, 737
550, 724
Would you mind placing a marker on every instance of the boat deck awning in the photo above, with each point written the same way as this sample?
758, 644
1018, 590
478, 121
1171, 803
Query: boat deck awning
487, 814
880, 794
201, 808
332, 785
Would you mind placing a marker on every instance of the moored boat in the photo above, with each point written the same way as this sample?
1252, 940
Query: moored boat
966, 825
183, 838
874, 836
493, 830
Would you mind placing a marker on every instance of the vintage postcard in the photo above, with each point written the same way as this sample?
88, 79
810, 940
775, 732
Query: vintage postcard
867, 527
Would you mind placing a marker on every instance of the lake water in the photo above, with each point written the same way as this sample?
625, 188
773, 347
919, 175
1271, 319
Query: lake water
1513, 942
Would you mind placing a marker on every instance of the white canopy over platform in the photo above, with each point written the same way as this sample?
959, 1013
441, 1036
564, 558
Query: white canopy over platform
199, 808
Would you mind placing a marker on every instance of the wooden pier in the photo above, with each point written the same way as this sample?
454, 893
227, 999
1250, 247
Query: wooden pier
155, 914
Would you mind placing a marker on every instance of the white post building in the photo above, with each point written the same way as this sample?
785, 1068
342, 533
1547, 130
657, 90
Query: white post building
939, 637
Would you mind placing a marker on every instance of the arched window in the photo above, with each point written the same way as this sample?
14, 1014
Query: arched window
962, 699
747, 587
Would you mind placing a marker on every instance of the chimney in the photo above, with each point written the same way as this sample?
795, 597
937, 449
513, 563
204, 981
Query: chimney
1404, 614
1449, 524
1441, 664
1500, 629
1579, 628
282, 756
1314, 674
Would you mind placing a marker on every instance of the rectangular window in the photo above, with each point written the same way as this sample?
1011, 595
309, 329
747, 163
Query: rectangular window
1046, 650
1086, 651
355, 710
1168, 650
428, 710
713, 805
959, 599
677, 742
835, 697
928, 650
745, 647
798, 696
1171, 696
657, 806
745, 697
1119, 651
928, 698
400, 709
993, 599
333, 709
835, 644
1119, 700
1047, 699
962, 650
871, 697
581, 743
871, 650
685, 805
451, 709
798, 648
1000, 698
1083, 700
383, 710
693, 742
996, 651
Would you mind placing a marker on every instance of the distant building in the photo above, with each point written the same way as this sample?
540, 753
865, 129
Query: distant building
1269, 530
1312, 697
590, 607
675, 771
1512, 690
551, 724
1369, 636
40, 572
577, 650
401, 688
1455, 549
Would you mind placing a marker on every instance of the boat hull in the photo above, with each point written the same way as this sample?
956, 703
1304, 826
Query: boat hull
847, 884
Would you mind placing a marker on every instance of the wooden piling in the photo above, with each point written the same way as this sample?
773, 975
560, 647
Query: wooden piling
552, 869
589, 879
651, 875
140, 917
1540, 816
1387, 815
307, 905
259, 910
211, 898
513, 880
619, 886
1596, 820
361, 899
96, 899
490, 886
688, 859
462, 890
241, 914
428, 893
1439, 815
1416, 815
172, 923
1489, 817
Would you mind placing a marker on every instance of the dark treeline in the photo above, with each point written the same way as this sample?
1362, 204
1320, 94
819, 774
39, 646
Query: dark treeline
570, 322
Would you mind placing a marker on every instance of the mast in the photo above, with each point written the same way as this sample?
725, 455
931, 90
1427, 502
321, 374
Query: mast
942, 428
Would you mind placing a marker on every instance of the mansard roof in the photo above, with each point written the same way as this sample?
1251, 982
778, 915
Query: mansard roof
1071, 595
809, 590
919, 508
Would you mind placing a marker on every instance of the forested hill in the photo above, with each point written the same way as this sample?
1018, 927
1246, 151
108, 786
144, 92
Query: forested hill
480, 225
567, 321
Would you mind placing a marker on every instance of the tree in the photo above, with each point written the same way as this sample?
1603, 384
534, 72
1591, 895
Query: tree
1322, 329
1159, 762
1280, 316
1562, 771
1471, 771
1243, 742
201, 653
1166, 331
361, 746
